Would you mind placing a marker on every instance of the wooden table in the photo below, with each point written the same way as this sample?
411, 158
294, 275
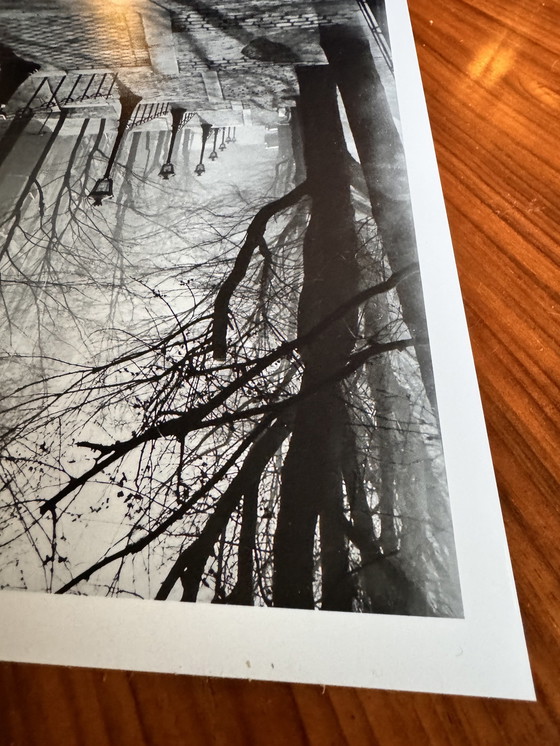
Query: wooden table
491, 70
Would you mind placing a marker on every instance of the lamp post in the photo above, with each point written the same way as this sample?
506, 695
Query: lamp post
168, 169
200, 169
103, 188
214, 154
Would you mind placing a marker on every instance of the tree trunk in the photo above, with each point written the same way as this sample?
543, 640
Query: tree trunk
362, 532
189, 566
242, 594
311, 476
383, 162
336, 586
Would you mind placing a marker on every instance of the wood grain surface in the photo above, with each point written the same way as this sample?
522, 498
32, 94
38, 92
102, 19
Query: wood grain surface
491, 71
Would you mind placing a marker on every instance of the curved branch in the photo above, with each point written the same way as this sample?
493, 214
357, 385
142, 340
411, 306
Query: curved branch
253, 239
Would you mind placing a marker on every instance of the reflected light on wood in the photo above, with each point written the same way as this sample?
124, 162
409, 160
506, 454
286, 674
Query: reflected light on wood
492, 63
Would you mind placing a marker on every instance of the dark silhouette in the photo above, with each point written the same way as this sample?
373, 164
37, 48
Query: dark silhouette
14, 70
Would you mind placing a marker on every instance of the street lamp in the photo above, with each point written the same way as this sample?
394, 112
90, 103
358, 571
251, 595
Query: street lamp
167, 169
214, 154
103, 188
200, 169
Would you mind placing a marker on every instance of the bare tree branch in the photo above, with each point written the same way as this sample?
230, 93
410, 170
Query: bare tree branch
190, 564
185, 423
176, 515
254, 239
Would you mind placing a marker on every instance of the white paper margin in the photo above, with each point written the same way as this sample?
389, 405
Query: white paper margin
483, 654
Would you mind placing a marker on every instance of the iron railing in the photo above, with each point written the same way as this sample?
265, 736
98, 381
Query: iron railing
378, 35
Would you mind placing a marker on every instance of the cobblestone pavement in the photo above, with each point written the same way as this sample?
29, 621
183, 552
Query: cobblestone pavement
213, 56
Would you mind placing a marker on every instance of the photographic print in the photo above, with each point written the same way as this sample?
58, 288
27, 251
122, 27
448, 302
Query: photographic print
217, 372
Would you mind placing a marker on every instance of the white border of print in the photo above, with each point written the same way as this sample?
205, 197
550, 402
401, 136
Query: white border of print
482, 654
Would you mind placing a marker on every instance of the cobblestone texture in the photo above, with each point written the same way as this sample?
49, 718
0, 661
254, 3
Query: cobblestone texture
77, 38
210, 49
265, 88
97, 34
261, 16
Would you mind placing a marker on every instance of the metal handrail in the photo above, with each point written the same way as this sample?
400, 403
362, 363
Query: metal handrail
378, 35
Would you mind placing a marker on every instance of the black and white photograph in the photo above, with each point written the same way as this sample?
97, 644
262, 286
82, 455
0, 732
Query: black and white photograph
217, 375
